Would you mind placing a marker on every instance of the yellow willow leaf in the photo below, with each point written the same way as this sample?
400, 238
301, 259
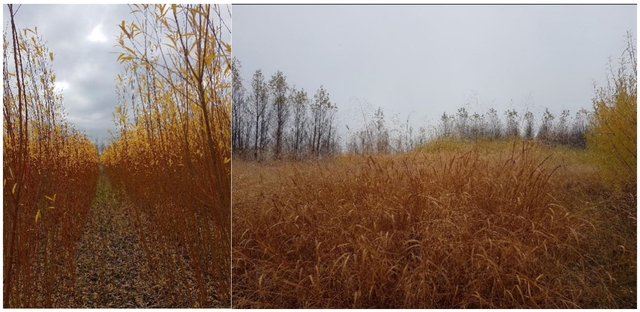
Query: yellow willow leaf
51, 207
227, 69
37, 216
227, 160
51, 199
124, 29
13, 190
208, 59
135, 27
131, 51
119, 59
51, 56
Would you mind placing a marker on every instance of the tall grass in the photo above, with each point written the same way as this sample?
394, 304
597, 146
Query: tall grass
508, 229
50, 177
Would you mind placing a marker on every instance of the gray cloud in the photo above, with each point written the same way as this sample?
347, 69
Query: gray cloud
424, 60
88, 67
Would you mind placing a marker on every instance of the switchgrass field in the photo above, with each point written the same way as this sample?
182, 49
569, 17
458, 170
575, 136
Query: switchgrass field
450, 225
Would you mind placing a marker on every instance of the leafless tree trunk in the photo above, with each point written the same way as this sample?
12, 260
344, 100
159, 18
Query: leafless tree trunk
260, 98
278, 85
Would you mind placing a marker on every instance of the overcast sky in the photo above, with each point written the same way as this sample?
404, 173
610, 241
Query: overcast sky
421, 61
82, 37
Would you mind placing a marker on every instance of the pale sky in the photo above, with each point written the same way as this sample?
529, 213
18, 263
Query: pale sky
83, 39
423, 60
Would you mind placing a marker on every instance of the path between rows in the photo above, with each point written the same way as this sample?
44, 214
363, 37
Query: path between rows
110, 265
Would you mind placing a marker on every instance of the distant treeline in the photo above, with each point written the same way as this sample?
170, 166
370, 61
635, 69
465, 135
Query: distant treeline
272, 119
554, 130
376, 137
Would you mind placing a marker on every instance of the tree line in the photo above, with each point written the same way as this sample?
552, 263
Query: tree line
275, 120
377, 136
552, 130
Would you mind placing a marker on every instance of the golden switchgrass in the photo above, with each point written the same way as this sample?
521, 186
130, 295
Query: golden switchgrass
443, 230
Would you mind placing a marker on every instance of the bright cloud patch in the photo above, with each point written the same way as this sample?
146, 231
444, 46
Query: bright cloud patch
97, 35
60, 86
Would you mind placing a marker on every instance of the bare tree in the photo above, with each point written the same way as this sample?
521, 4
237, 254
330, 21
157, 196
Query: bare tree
331, 143
512, 123
528, 126
319, 120
241, 122
579, 129
279, 87
545, 133
260, 99
446, 125
299, 102
382, 133
462, 122
562, 128
495, 125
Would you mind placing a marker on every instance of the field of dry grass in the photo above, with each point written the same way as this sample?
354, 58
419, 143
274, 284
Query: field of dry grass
519, 226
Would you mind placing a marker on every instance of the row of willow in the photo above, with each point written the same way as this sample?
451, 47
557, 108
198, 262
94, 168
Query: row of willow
172, 153
44, 158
